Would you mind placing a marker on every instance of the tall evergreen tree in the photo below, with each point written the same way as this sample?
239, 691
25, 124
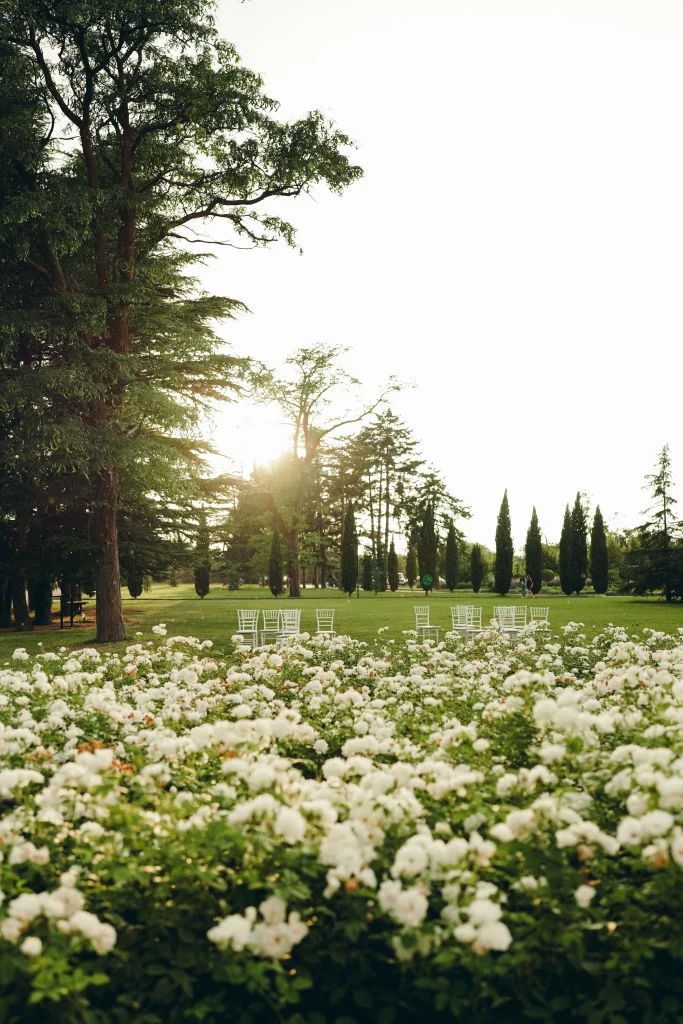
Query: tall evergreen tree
599, 560
349, 552
504, 550
368, 571
392, 567
533, 553
427, 550
662, 527
135, 578
380, 574
202, 554
477, 567
275, 572
411, 564
566, 578
656, 561
451, 558
578, 547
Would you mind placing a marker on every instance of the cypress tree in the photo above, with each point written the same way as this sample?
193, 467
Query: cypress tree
578, 547
368, 571
427, 549
392, 567
477, 568
451, 559
599, 562
411, 565
533, 553
504, 550
135, 579
349, 552
566, 581
202, 569
276, 580
380, 573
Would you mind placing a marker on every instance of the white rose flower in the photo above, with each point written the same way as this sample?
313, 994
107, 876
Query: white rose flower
11, 929
291, 825
410, 908
493, 935
273, 910
584, 895
31, 946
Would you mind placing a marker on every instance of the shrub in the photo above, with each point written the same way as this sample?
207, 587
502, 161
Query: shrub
482, 848
135, 579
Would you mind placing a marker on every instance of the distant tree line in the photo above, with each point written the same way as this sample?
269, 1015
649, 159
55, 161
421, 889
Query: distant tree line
644, 560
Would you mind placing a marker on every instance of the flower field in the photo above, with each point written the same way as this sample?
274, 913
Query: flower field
335, 831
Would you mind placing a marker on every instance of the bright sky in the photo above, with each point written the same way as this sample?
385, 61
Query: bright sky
515, 248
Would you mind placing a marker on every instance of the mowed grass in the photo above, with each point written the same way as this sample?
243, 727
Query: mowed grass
215, 617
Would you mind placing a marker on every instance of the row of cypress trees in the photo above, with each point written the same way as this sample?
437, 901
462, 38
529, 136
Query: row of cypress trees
573, 555
574, 559
381, 569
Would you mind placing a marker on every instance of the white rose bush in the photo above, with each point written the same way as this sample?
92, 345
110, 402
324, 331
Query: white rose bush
330, 831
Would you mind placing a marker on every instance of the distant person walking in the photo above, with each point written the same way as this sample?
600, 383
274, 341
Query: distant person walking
530, 586
522, 583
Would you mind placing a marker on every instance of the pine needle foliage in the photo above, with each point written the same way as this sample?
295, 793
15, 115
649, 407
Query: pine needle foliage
427, 549
566, 579
392, 567
477, 567
349, 552
533, 553
411, 565
504, 550
275, 567
578, 547
368, 571
599, 557
451, 558
202, 565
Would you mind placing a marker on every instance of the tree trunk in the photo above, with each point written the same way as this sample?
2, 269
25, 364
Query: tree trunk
22, 618
42, 601
323, 566
108, 607
5, 602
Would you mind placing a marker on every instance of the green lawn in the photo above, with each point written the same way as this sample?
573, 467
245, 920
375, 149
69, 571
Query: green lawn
216, 616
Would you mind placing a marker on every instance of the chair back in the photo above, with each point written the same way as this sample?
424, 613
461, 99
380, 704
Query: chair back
539, 614
505, 615
325, 619
247, 619
421, 615
463, 615
291, 620
519, 615
272, 618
